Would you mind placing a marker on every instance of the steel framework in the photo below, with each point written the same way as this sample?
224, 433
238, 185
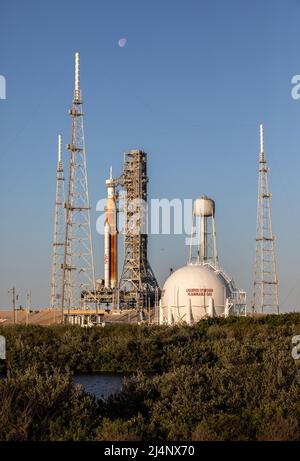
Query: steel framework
78, 267
59, 233
266, 283
137, 277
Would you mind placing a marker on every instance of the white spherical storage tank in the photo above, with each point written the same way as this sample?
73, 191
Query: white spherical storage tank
193, 292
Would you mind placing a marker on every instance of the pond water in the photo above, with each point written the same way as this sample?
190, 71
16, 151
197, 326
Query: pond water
100, 385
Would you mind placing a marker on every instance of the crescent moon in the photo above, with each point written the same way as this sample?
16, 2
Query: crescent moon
122, 42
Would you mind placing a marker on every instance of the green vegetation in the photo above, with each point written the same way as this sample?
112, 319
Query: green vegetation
224, 379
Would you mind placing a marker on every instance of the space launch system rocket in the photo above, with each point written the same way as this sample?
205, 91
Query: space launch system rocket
110, 236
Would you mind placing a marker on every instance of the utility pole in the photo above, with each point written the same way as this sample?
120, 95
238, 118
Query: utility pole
266, 284
13, 291
28, 306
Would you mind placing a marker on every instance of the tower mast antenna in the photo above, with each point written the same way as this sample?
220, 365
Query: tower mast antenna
266, 285
76, 89
78, 283
59, 232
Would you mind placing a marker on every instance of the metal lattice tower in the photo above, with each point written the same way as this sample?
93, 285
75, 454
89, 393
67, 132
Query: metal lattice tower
59, 234
137, 276
78, 267
266, 284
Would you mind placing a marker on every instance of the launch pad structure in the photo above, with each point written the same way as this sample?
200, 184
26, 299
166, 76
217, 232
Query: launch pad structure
74, 290
137, 276
137, 287
73, 287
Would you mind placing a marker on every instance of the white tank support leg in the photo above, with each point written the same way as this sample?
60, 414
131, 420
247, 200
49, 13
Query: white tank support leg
226, 311
189, 313
170, 315
211, 307
161, 314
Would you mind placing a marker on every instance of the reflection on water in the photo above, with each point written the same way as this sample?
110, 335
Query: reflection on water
100, 385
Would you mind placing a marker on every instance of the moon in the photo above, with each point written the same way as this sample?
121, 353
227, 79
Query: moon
122, 42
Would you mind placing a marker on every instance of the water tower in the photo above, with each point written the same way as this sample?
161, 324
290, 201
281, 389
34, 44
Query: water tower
203, 242
201, 288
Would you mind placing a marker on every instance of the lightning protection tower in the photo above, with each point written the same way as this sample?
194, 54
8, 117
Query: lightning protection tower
59, 233
78, 267
266, 284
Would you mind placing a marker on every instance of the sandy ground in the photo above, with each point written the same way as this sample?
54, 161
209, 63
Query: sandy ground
48, 317
45, 317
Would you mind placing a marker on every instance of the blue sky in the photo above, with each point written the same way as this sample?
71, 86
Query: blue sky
190, 87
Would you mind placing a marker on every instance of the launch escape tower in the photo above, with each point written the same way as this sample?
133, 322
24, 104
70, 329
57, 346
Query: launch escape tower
137, 279
78, 267
266, 283
59, 234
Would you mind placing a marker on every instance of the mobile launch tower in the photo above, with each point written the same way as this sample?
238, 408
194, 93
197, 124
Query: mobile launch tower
137, 280
137, 287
